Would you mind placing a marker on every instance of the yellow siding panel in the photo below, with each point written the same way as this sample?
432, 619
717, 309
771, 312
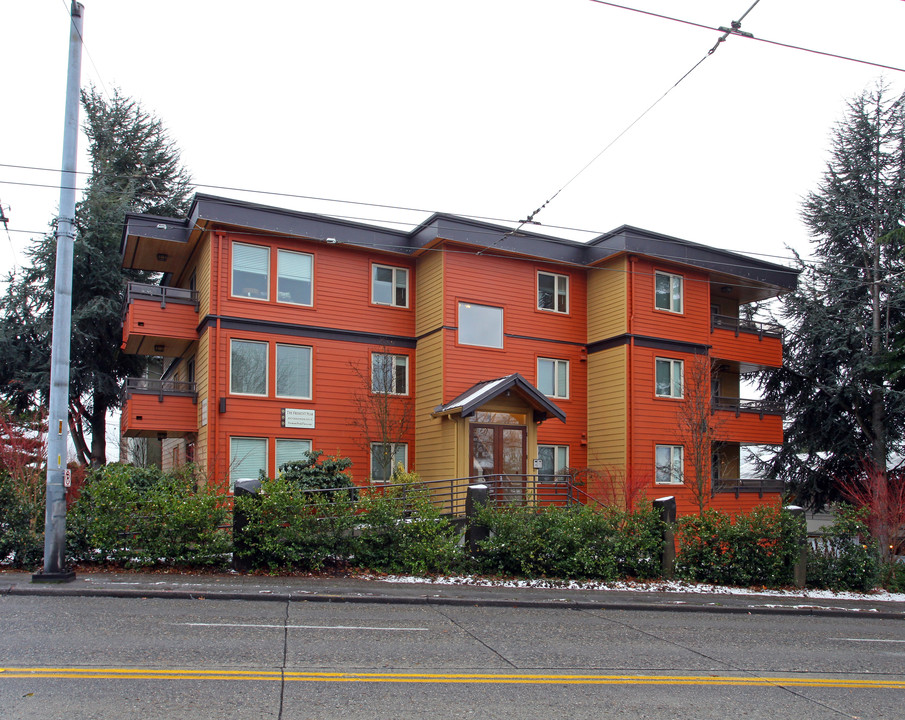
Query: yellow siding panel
607, 300
607, 408
203, 276
429, 292
434, 437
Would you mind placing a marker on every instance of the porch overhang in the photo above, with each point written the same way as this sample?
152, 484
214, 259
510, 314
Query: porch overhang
483, 392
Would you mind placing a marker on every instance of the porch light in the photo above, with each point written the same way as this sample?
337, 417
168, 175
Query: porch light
159, 348
162, 257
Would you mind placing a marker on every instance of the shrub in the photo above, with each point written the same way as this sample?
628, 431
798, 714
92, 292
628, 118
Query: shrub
758, 548
403, 532
570, 542
845, 557
21, 524
290, 529
312, 473
143, 516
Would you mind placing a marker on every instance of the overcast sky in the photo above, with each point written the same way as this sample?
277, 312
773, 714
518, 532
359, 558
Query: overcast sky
483, 107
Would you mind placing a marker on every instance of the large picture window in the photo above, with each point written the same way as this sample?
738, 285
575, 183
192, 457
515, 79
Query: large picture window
389, 286
293, 371
248, 367
389, 373
251, 271
294, 277
669, 377
668, 292
247, 458
669, 465
552, 292
480, 325
385, 457
553, 377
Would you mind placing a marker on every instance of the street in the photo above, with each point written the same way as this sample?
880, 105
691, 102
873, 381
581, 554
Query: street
95, 657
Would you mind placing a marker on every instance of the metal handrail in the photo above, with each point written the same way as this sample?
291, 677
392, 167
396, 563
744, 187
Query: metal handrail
159, 387
743, 325
161, 293
744, 405
746, 485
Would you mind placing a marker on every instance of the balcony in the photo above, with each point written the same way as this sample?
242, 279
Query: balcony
751, 343
747, 421
159, 320
159, 408
738, 486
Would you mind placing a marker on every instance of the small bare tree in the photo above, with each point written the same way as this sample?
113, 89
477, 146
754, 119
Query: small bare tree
699, 426
382, 411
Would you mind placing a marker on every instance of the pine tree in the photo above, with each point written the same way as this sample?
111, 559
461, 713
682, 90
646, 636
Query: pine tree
844, 406
135, 167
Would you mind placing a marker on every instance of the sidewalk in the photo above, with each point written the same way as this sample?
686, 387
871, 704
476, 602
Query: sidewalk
654, 597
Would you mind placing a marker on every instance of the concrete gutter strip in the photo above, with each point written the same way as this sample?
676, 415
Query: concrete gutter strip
489, 597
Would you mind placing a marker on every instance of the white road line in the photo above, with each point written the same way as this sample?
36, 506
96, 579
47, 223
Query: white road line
869, 640
308, 627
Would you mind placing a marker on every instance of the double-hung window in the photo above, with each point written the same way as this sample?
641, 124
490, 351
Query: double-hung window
247, 458
248, 367
251, 271
389, 286
293, 371
389, 374
385, 458
669, 377
552, 292
669, 465
554, 461
480, 325
294, 277
290, 450
668, 292
553, 377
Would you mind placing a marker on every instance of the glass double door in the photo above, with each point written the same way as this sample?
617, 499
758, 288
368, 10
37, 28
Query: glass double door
498, 454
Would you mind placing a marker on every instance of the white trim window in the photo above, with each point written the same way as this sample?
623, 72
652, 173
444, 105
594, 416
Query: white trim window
552, 292
293, 370
289, 450
668, 294
247, 367
389, 286
668, 380
385, 458
389, 373
554, 461
553, 377
251, 271
247, 458
294, 277
669, 465
480, 325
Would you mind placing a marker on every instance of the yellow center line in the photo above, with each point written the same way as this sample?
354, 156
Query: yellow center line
84, 673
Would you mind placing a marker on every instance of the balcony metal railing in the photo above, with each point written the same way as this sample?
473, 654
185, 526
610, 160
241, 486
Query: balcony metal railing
161, 388
161, 294
745, 485
742, 405
742, 325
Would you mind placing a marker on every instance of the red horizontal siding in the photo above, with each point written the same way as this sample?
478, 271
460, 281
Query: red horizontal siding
746, 348
146, 415
146, 318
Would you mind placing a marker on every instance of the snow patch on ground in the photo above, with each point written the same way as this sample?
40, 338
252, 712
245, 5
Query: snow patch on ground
671, 586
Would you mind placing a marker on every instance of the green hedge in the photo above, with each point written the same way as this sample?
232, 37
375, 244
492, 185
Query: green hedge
21, 524
758, 548
846, 557
142, 517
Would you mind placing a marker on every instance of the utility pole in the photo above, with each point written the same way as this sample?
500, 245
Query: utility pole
58, 411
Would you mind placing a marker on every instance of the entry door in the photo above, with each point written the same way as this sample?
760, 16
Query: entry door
498, 453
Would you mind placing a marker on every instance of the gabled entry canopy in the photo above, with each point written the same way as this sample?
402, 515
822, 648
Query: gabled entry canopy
487, 390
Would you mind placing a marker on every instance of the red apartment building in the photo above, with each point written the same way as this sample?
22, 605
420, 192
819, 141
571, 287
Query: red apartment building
490, 352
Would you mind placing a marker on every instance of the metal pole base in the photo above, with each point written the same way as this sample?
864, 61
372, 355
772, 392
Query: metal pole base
57, 577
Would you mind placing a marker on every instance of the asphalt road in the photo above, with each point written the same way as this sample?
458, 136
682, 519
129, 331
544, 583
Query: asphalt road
102, 657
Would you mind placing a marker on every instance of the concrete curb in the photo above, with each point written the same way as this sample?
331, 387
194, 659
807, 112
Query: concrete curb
682, 606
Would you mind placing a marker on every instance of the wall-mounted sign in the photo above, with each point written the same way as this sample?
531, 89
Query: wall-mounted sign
297, 418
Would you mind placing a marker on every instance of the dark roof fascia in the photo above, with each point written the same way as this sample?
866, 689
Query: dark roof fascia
238, 213
155, 226
511, 381
672, 249
499, 237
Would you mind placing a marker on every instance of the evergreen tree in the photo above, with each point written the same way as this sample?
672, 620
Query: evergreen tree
844, 406
135, 167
